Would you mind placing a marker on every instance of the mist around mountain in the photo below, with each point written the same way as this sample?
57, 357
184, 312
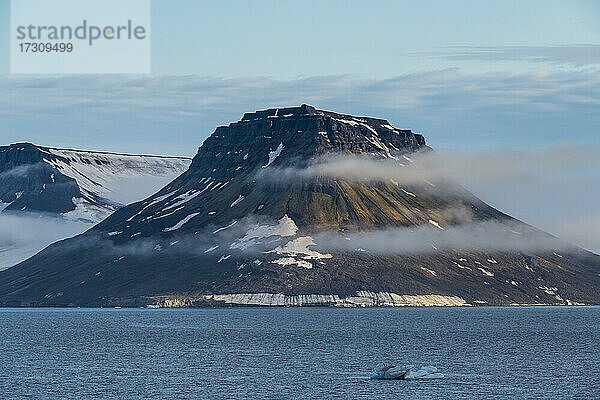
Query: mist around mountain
49, 194
300, 206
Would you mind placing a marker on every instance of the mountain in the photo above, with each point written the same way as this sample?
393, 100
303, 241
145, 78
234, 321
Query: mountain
77, 183
71, 188
252, 221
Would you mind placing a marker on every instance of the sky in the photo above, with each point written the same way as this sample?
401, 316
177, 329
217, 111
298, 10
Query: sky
472, 76
375, 39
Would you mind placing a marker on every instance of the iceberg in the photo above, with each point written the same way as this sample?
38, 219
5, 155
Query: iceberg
389, 372
406, 372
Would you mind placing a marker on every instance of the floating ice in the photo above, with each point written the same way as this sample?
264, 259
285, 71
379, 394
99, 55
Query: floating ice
406, 372
389, 372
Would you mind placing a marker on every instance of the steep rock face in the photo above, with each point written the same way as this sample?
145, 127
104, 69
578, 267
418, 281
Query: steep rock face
231, 177
28, 183
95, 184
243, 226
48, 194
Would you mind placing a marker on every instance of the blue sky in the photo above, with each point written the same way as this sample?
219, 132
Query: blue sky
470, 75
4, 36
486, 73
376, 39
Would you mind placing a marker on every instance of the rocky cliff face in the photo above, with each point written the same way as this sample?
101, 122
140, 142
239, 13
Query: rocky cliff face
82, 184
245, 225
48, 194
224, 172
28, 183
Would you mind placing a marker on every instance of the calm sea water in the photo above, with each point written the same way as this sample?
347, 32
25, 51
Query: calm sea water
310, 353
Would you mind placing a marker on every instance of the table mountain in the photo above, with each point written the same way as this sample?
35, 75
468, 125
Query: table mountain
254, 220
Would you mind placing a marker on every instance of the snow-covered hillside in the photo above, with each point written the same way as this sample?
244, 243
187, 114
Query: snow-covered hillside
109, 181
48, 194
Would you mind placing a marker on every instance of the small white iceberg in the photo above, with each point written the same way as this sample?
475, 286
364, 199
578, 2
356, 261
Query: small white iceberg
406, 372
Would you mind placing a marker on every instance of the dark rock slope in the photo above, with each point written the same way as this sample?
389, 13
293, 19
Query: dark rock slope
243, 225
29, 183
66, 191
84, 184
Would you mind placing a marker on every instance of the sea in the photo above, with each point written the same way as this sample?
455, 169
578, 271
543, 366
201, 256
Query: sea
299, 353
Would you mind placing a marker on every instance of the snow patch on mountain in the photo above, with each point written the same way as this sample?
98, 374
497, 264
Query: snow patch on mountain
182, 199
223, 258
284, 227
212, 248
486, 272
297, 252
237, 201
180, 223
408, 193
3, 206
113, 180
286, 261
225, 227
274, 154
148, 204
436, 224
354, 123
87, 212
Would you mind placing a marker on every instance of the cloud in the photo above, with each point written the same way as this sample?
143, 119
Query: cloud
579, 55
138, 113
553, 188
584, 231
465, 234
473, 236
491, 236
22, 236
454, 110
22, 171
489, 167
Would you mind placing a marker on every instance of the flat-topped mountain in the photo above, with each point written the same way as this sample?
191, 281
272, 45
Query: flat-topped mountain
254, 220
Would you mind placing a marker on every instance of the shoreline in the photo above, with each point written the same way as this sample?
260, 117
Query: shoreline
361, 299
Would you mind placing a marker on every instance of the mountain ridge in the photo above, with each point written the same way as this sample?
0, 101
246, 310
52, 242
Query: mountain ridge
107, 152
235, 229
69, 166
69, 188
